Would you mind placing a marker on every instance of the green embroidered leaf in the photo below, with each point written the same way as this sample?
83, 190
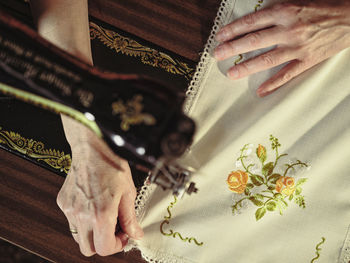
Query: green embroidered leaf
285, 203
246, 191
259, 196
260, 213
278, 196
282, 203
273, 178
290, 198
271, 187
298, 190
261, 153
271, 205
300, 201
267, 169
250, 186
255, 201
301, 181
257, 179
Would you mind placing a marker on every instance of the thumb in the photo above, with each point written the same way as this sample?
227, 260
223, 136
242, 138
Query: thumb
127, 217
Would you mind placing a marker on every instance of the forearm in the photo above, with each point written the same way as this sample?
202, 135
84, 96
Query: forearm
64, 23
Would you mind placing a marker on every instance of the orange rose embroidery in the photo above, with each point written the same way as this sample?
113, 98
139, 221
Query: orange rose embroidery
237, 181
270, 188
285, 185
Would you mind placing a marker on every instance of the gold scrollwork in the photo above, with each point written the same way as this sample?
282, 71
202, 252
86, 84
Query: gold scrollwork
36, 150
85, 97
131, 113
132, 48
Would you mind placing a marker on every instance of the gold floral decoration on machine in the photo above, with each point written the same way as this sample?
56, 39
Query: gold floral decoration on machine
149, 56
36, 150
131, 113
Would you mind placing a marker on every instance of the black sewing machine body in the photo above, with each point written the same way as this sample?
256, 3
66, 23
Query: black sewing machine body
140, 119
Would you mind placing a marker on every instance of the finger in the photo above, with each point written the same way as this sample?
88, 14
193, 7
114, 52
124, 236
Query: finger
250, 42
67, 211
85, 240
72, 229
287, 73
127, 216
124, 238
265, 61
105, 241
251, 22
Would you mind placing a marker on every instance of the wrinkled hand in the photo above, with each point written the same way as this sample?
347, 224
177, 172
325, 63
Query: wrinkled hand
98, 190
305, 33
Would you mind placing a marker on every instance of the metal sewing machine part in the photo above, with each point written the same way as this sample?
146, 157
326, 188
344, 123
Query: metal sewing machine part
141, 120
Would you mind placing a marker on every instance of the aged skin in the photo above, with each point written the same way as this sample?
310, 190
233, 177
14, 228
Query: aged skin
99, 189
305, 33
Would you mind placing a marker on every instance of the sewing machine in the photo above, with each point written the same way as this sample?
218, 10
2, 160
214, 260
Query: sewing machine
33, 151
140, 119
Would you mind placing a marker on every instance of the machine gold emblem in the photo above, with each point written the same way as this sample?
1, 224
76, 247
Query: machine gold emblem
131, 113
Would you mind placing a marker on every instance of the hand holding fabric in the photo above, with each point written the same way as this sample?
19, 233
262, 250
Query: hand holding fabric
98, 190
303, 33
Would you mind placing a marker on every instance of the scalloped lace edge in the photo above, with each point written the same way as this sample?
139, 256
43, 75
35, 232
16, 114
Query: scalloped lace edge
161, 257
223, 15
345, 252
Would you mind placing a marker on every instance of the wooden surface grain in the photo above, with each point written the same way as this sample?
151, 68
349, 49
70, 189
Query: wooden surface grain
30, 218
181, 26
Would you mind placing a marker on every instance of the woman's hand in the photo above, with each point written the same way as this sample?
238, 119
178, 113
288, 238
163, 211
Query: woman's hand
98, 190
303, 33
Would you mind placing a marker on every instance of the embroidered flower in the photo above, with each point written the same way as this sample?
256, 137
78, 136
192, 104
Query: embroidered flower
285, 185
261, 153
237, 181
264, 182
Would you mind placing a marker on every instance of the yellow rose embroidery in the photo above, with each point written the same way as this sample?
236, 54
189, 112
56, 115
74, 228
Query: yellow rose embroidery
237, 181
266, 187
285, 185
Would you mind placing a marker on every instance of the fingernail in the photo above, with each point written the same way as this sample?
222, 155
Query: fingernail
219, 52
232, 73
262, 92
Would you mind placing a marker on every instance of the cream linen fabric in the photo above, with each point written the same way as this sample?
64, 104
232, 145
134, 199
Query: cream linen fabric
311, 118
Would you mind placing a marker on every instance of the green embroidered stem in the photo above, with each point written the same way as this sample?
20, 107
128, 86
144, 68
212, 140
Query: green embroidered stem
171, 232
246, 168
240, 57
235, 206
274, 145
169, 207
242, 157
258, 5
318, 249
289, 166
